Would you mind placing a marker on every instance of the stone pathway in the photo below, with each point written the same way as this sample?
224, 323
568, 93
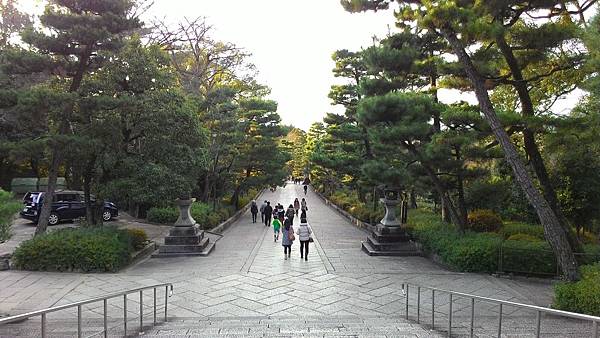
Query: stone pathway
246, 279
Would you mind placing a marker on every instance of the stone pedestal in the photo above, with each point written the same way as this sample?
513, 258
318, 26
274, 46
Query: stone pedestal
185, 237
389, 238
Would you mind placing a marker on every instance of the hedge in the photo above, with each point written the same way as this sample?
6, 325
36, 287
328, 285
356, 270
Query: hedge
201, 212
8, 208
98, 249
582, 296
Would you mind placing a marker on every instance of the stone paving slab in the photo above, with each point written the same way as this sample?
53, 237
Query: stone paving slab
247, 278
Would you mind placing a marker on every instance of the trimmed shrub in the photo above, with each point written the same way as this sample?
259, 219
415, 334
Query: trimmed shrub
582, 296
589, 238
8, 208
165, 215
138, 238
484, 220
76, 249
531, 257
524, 237
512, 228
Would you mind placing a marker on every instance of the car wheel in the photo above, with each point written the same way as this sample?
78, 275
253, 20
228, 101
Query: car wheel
53, 219
106, 215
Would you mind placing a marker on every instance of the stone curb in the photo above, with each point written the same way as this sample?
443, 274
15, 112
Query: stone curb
355, 221
219, 229
139, 255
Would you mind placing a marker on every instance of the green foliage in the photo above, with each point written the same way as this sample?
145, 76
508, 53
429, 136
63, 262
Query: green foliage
513, 228
582, 296
88, 249
483, 220
475, 252
528, 256
138, 238
8, 208
524, 237
201, 212
487, 194
350, 202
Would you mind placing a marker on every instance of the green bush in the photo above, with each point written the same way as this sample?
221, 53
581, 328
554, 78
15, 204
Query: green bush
138, 238
513, 228
484, 220
8, 208
531, 257
76, 249
165, 215
524, 237
582, 296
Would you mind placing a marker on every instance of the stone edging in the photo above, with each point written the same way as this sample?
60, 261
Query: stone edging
355, 221
219, 229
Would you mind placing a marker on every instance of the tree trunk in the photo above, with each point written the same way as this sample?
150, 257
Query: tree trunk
555, 233
531, 148
49, 195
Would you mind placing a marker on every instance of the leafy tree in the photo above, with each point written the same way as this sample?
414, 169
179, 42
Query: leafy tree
68, 46
462, 25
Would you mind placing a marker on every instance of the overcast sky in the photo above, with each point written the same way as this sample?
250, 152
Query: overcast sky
291, 43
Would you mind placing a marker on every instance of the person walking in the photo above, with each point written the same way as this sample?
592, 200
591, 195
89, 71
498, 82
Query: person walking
303, 204
304, 233
280, 210
277, 223
287, 238
296, 205
268, 213
254, 211
262, 211
305, 189
290, 213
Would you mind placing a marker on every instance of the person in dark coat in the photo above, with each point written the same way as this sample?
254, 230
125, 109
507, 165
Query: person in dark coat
268, 214
254, 211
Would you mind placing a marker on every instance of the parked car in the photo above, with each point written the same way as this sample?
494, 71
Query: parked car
66, 205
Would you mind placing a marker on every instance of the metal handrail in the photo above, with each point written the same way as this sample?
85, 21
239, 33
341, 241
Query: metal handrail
168, 287
539, 309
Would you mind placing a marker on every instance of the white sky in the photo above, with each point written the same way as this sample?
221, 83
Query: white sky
291, 43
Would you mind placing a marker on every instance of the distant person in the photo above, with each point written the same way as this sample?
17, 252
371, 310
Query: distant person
303, 214
287, 238
268, 213
277, 224
254, 211
296, 206
280, 211
290, 213
262, 211
305, 189
304, 233
303, 204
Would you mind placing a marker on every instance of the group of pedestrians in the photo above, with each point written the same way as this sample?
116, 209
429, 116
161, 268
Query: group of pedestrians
283, 223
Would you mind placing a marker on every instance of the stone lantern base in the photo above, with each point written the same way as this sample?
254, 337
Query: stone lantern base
185, 237
389, 238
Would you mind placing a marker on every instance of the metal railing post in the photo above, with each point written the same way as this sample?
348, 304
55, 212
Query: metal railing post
595, 329
105, 321
78, 321
166, 300
43, 325
538, 324
154, 306
432, 308
472, 316
141, 312
450, 317
125, 314
418, 304
406, 304
500, 321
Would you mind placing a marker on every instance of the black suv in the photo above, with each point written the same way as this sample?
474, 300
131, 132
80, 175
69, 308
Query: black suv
66, 205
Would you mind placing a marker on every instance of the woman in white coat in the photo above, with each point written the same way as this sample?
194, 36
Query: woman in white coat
304, 233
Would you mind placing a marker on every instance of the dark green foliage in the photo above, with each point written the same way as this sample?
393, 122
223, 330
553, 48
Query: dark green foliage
524, 237
513, 228
530, 257
138, 238
582, 296
483, 220
201, 212
89, 249
485, 194
8, 208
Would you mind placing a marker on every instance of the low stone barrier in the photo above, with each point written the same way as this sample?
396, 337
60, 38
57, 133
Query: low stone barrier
355, 221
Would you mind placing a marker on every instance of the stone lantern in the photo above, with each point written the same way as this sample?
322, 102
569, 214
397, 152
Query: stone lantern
185, 237
389, 237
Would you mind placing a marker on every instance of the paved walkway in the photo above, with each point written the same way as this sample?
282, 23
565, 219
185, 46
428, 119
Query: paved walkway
247, 277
